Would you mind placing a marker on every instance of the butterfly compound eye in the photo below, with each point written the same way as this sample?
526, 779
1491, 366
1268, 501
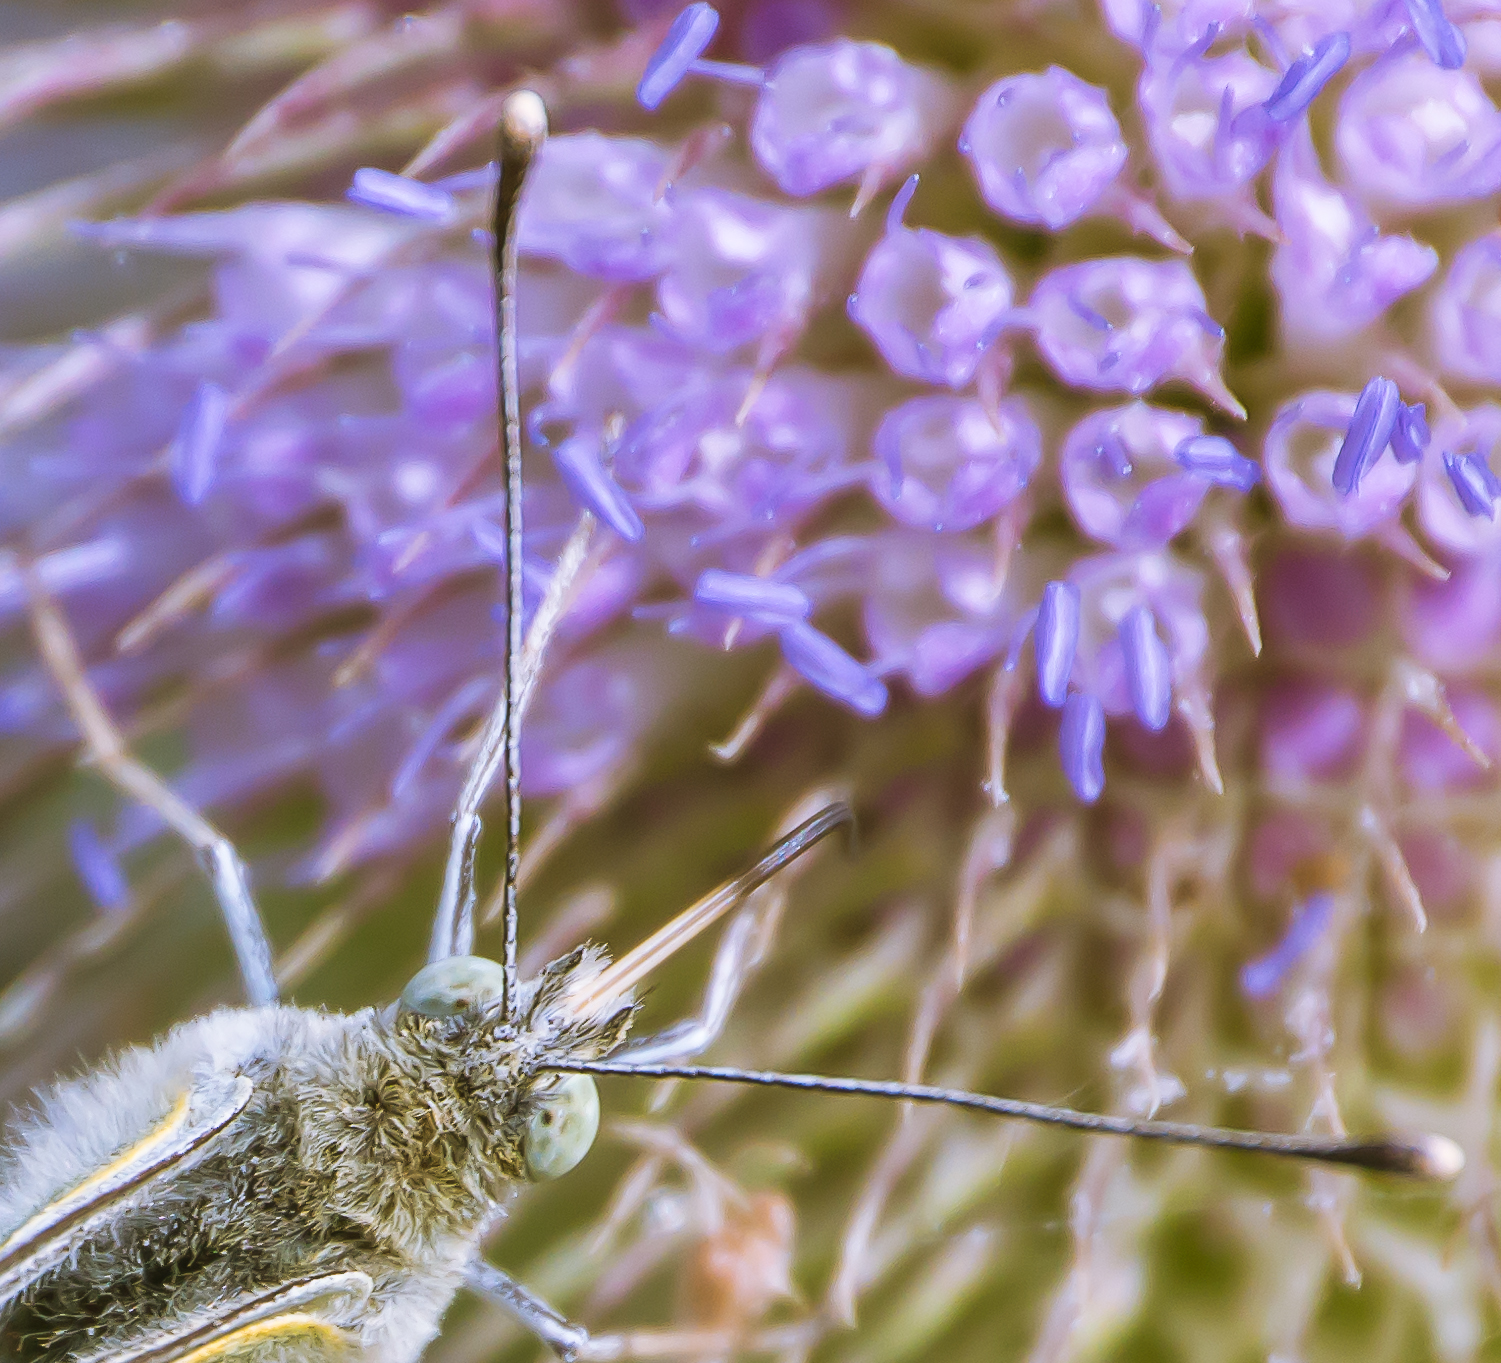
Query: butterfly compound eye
446, 988
561, 1130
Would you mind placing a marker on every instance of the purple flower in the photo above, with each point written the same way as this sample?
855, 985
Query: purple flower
1466, 312
843, 111
97, 867
1121, 478
1454, 627
932, 303
936, 608
1312, 731
1334, 271
1299, 456
1126, 325
1166, 29
592, 202
742, 269
578, 462
690, 450
1430, 759
1207, 127
1411, 435
951, 463
1474, 484
1043, 148
1116, 660
1414, 135
1457, 491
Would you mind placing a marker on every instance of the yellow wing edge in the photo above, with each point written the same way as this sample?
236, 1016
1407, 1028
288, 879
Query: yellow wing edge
44, 1238
261, 1318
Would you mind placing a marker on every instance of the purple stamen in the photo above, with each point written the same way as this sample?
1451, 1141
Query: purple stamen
1216, 460
1149, 671
1369, 432
1113, 455
899, 202
759, 598
819, 660
732, 73
1081, 746
97, 867
194, 454
1308, 75
1264, 976
397, 194
577, 460
1474, 484
1441, 40
1097, 320
1056, 639
1411, 436
690, 35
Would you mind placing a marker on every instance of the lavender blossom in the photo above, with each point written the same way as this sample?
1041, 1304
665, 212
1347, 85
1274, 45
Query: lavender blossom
1466, 317
931, 303
593, 203
1206, 122
952, 464
1414, 135
1045, 148
1335, 273
742, 270
1122, 478
842, 111
1126, 325
1442, 41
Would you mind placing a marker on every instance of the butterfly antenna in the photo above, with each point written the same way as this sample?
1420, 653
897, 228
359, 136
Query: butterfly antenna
523, 129
1423, 1156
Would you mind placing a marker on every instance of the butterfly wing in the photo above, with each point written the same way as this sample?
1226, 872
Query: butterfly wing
309, 1313
45, 1238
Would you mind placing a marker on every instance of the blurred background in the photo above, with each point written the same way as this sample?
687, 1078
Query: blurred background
1003, 505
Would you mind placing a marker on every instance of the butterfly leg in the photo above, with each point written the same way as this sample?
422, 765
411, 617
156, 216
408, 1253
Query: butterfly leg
562, 1336
231, 881
574, 1344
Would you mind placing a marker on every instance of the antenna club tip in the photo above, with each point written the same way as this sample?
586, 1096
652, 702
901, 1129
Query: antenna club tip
1437, 1157
523, 120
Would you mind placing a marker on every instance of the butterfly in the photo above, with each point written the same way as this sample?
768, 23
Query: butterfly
274, 1183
